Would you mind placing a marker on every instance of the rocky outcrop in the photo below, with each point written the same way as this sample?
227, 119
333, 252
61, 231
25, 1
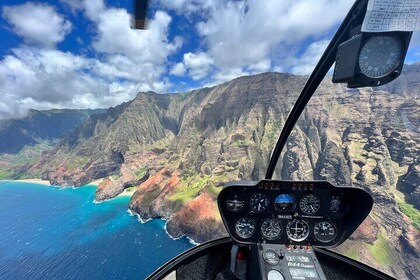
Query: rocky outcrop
110, 188
198, 219
410, 184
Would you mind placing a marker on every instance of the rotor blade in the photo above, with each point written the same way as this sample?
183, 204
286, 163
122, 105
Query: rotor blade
140, 12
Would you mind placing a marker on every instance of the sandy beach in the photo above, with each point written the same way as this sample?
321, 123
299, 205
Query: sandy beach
35, 181
127, 193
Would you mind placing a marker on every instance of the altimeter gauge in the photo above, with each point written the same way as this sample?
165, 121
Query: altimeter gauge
258, 203
309, 204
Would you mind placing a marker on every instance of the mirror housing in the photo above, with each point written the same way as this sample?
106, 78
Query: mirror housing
347, 66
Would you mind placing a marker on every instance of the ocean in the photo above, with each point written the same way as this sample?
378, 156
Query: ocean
52, 233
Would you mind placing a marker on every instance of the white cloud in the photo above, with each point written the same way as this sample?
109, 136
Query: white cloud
186, 7
255, 36
44, 79
37, 23
116, 36
196, 65
178, 70
240, 34
306, 63
128, 61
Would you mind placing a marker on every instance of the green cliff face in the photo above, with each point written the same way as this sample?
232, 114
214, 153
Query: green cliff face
177, 150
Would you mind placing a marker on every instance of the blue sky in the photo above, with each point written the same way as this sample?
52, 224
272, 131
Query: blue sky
83, 54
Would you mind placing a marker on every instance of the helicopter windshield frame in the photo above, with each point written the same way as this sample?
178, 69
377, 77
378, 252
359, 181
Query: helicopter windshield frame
353, 19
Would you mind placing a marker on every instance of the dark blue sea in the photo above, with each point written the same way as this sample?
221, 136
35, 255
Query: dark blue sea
52, 233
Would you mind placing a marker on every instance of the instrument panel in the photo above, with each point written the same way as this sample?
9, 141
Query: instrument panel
290, 212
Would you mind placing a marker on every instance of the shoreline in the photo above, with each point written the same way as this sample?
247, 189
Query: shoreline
127, 193
32, 181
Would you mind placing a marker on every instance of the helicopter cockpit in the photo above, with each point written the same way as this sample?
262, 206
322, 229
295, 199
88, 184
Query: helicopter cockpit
280, 229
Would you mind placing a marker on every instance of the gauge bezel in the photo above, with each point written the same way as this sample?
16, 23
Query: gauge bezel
270, 220
241, 209
306, 233
273, 252
266, 203
287, 210
398, 59
333, 226
305, 196
239, 234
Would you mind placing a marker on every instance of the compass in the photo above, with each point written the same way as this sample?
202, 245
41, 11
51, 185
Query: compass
381, 55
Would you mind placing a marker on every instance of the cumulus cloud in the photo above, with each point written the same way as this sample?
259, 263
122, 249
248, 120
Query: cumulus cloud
127, 61
178, 70
304, 64
240, 34
37, 23
196, 65
256, 36
236, 38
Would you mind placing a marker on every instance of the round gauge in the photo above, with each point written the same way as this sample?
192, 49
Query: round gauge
297, 230
309, 204
245, 227
235, 202
258, 203
274, 275
336, 204
271, 229
380, 55
285, 202
324, 232
271, 257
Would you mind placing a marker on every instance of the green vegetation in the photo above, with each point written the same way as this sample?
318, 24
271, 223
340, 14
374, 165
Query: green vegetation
75, 162
131, 189
213, 189
380, 251
188, 190
353, 253
242, 143
141, 172
6, 175
148, 197
411, 212
271, 132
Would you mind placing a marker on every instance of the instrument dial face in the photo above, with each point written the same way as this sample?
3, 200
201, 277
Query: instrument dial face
380, 55
325, 232
271, 229
310, 204
285, 202
235, 202
336, 204
297, 230
258, 203
271, 257
245, 227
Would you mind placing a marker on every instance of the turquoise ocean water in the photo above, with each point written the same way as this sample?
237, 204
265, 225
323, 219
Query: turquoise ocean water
52, 233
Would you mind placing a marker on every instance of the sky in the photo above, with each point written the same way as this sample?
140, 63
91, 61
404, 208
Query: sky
83, 54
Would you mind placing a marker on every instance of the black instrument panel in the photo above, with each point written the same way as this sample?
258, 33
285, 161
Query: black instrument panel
290, 212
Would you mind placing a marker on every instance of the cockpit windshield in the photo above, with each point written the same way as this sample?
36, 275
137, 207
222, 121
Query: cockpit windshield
140, 129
